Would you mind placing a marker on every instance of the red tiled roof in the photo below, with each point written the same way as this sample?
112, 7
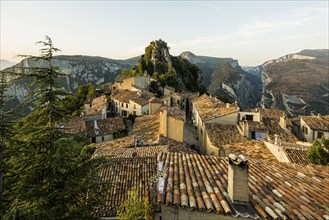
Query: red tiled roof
174, 112
125, 174
210, 108
105, 126
124, 142
270, 113
223, 134
277, 190
146, 127
97, 105
74, 126
250, 149
320, 123
124, 95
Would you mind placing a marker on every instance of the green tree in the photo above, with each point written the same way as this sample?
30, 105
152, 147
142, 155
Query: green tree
52, 174
319, 152
133, 208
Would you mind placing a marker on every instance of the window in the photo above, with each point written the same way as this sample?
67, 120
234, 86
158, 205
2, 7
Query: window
320, 134
134, 106
249, 117
126, 105
134, 112
305, 130
121, 104
102, 138
177, 101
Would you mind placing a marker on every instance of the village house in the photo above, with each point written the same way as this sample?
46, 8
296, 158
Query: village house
168, 90
218, 135
127, 82
313, 127
95, 109
253, 130
172, 123
179, 100
104, 129
126, 102
97, 130
154, 105
208, 109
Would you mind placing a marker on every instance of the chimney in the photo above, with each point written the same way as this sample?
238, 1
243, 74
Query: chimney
276, 137
238, 188
163, 122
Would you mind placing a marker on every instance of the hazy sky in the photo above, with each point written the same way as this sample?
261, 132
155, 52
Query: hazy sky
250, 31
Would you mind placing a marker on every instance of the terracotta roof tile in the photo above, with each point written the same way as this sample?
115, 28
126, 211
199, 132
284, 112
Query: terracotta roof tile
97, 105
274, 127
256, 126
146, 128
277, 190
296, 153
126, 174
320, 123
105, 126
146, 151
270, 113
174, 112
250, 149
210, 107
124, 95
176, 146
74, 126
124, 142
223, 134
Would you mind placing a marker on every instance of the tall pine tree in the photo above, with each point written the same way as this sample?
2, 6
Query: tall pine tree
52, 174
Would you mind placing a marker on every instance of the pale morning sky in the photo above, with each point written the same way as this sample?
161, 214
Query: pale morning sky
250, 31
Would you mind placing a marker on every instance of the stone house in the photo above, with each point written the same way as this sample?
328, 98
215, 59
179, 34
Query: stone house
218, 135
208, 109
314, 127
154, 105
126, 102
254, 130
104, 129
127, 82
96, 109
172, 123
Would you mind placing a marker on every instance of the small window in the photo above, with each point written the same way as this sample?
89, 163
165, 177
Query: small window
320, 134
102, 138
134, 112
305, 130
177, 101
134, 106
121, 104
126, 105
249, 117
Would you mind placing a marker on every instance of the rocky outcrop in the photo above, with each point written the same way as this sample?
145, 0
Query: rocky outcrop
175, 71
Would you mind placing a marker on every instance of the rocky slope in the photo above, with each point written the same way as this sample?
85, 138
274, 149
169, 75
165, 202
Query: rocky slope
225, 77
78, 70
297, 83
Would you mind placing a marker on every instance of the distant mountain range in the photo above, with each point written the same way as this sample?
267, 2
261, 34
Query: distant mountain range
5, 64
296, 83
